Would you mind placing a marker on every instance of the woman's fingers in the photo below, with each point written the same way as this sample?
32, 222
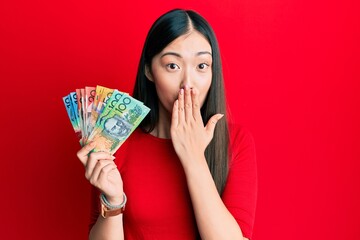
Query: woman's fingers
92, 161
195, 105
187, 107
210, 126
188, 104
98, 168
175, 114
181, 114
105, 171
83, 153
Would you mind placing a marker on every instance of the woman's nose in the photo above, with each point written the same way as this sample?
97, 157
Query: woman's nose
187, 79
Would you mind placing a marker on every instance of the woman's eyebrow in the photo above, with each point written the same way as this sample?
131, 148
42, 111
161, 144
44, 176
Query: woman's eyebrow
203, 52
179, 56
171, 53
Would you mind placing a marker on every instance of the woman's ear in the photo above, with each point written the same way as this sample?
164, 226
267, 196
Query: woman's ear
148, 73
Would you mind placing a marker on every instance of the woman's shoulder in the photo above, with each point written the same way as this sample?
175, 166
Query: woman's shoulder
238, 132
241, 143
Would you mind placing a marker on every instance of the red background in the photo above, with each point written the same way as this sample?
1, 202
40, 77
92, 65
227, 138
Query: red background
292, 77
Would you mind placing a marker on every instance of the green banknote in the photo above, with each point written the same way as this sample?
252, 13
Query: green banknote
105, 107
116, 124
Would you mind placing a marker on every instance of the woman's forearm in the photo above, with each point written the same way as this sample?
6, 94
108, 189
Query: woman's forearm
213, 219
110, 228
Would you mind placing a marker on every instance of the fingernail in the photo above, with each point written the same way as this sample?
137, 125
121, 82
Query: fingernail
221, 115
182, 91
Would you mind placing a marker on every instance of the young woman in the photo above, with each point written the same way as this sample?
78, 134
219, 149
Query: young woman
187, 172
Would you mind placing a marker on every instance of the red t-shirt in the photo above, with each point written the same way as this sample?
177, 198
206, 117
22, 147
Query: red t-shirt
159, 205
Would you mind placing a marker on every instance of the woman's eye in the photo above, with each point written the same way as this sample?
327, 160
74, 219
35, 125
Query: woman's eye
173, 66
203, 66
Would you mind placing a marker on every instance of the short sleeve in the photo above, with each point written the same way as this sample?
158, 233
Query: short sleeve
240, 193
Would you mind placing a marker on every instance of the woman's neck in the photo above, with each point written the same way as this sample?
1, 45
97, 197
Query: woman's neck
162, 129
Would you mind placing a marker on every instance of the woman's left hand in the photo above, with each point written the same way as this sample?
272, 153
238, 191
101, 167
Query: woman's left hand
189, 135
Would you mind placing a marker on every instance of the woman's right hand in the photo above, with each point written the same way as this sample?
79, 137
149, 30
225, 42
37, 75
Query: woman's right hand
102, 172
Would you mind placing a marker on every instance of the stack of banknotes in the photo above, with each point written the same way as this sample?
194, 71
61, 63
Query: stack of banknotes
104, 115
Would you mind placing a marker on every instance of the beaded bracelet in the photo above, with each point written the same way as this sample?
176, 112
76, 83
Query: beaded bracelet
110, 206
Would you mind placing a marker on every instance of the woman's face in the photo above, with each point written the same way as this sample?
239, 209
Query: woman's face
187, 61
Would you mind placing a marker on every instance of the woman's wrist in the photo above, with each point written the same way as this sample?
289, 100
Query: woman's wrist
117, 200
113, 203
197, 164
109, 210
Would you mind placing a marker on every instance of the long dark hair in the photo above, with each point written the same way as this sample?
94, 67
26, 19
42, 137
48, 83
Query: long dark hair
166, 29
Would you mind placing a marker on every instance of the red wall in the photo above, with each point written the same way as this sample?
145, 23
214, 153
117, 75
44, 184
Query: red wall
292, 77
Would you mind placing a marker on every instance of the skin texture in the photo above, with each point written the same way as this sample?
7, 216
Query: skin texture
182, 76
